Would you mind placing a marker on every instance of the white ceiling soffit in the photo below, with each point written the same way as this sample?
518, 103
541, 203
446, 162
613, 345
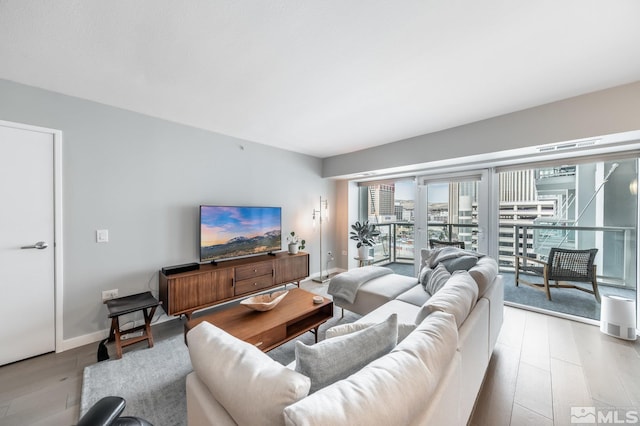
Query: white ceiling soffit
321, 77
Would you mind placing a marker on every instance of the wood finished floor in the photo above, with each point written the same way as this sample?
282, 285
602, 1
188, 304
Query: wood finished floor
541, 367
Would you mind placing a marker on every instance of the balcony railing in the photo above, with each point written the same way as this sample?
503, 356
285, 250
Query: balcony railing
616, 245
396, 242
616, 258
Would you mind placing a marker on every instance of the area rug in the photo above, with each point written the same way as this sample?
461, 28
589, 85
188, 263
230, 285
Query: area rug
567, 301
152, 381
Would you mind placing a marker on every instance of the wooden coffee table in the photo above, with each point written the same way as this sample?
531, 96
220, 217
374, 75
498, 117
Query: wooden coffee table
293, 316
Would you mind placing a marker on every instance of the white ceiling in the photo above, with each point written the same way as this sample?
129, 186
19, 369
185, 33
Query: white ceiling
321, 77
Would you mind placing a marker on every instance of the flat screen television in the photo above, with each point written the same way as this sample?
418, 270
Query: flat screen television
228, 232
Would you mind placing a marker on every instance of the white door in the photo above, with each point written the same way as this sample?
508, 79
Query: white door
27, 303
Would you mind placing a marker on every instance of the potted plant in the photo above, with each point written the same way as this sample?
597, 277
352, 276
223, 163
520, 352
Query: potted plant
364, 233
295, 243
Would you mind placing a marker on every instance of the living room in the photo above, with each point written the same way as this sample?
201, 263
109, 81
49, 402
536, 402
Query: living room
141, 174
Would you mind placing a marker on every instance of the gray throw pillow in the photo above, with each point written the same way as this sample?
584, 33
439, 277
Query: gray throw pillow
424, 275
438, 279
338, 358
340, 330
462, 263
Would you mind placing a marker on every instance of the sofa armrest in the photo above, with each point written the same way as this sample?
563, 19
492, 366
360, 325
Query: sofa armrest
495, 295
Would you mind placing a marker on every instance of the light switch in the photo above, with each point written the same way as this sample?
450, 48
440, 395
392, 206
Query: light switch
102, 236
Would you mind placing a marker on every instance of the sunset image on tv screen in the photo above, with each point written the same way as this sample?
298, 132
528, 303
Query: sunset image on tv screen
228, 232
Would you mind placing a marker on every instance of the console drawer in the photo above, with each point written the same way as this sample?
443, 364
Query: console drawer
254, 270
254, 284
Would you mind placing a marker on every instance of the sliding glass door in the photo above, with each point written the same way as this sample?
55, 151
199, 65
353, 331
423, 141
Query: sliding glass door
578, 205
390, 205
523, 209
454, 208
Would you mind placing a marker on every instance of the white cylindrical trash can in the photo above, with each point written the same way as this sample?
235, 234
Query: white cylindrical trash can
618, 317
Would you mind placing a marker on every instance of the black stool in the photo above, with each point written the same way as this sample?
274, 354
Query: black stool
144, 302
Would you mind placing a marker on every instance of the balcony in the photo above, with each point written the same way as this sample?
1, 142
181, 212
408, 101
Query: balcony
396, 243
616, 260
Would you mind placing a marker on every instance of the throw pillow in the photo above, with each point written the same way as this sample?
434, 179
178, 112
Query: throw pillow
437, 279
457, 297
427, 255
337, 358
460, 263
392, 389
340, 330
252, 388
424, 275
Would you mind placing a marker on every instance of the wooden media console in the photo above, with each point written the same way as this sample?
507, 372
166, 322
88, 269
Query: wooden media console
210, 285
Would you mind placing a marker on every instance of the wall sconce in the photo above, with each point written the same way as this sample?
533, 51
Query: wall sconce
633, 187
319, 216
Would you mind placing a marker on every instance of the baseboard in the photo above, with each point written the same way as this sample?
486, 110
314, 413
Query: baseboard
86, 339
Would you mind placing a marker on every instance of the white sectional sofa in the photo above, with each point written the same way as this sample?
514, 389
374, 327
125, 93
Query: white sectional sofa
432, 376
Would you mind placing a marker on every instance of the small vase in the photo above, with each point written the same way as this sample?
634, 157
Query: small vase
293, 248
363, 252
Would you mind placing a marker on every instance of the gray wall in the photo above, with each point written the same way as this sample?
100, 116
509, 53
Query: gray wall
599, 113
143, 179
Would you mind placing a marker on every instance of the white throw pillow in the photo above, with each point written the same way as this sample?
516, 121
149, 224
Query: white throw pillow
253, 388
335, 359
340, 330
457, 297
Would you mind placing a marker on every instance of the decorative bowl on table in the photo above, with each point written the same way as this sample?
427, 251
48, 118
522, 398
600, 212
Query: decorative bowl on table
264, 302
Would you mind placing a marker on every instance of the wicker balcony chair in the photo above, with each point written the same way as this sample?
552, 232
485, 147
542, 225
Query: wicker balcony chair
563, 265
442, 243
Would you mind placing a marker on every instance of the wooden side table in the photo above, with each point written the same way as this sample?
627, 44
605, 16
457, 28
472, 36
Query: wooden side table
144, 302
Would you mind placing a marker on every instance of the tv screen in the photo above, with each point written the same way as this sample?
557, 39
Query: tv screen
229, 232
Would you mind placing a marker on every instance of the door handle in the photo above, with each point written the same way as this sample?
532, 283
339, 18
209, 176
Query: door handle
40, 245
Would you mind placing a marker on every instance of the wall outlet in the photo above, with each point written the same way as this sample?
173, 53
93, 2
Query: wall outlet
109, 294
102, 235
344, 252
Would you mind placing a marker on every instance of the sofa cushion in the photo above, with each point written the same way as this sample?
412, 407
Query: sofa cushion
335, 359
484, 272
340, 330
456, 297
416, 296
237, 372
438, 279
390, 390
377, 292
406, 312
